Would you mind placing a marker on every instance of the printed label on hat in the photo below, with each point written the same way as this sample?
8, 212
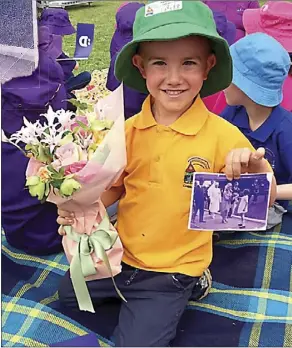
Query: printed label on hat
161, 7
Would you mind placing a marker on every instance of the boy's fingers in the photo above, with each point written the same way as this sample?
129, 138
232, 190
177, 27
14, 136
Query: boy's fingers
64, 221
244, 159
259, 154
61, 231
236, 163
65, 214
228, 166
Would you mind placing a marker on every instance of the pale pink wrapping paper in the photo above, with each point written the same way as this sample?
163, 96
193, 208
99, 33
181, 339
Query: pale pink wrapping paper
95, 178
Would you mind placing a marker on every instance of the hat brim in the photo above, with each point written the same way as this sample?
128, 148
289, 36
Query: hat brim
256, 93
66, 30
251, 22
219, 77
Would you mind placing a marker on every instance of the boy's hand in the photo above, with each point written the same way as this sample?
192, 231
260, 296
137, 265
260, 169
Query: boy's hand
76, 66
65, 217
244, 160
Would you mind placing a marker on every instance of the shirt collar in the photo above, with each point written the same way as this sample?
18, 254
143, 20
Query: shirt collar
265, 130
190, 123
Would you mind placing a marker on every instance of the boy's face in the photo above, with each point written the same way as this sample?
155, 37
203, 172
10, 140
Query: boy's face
234, 95
175, 70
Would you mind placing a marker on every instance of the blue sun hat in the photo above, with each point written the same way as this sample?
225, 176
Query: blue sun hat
260, 67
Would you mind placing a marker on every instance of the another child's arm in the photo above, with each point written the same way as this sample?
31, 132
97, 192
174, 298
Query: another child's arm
245, 160
76, 67
284, 192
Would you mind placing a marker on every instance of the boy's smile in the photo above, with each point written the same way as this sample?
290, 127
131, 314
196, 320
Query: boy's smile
175, 72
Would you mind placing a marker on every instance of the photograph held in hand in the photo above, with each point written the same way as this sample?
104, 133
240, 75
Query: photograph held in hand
219, 204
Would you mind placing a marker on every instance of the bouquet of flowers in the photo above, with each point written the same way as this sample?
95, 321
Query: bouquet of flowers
74, 158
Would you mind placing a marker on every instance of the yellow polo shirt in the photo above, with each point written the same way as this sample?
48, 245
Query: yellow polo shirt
154, 212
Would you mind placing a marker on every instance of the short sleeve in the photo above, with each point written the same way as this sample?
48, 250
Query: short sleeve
120, 181
285, 146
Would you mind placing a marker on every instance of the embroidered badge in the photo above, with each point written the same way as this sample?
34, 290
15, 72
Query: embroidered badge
191, 169
270, 156
162, 6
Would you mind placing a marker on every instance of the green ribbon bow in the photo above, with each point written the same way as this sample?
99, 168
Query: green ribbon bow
82, 265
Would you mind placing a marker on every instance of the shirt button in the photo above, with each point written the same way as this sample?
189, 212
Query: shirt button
157, 158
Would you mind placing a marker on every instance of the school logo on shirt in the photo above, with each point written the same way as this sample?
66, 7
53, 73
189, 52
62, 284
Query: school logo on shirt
270, 156
193, 163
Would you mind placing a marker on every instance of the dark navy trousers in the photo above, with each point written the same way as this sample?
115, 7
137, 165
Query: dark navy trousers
155, 304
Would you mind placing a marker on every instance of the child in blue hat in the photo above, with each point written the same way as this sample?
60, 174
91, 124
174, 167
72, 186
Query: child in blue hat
260, 67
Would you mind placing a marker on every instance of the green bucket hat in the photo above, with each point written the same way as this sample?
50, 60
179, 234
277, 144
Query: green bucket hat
171, 20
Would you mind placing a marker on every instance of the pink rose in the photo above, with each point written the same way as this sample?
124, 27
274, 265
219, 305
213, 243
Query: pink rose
68, 154
33, 167
82, 119
75, 167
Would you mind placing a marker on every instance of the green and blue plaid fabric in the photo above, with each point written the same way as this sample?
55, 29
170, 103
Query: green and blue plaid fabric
249, 305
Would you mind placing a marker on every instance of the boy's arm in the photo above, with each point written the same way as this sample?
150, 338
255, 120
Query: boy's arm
108, 198
241, 157
115, 192
112, 195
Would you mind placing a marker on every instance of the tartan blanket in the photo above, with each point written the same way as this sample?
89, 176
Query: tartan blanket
250, 303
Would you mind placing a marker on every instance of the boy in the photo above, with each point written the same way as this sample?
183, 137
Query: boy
171, 58
260, 67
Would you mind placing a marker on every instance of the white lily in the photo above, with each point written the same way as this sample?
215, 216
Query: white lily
65, 118
4, 138
53, 138
50, 116
28, 134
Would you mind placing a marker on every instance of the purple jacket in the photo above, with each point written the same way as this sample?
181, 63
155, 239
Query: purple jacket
28, 224
125, 17
233, 10
67, 66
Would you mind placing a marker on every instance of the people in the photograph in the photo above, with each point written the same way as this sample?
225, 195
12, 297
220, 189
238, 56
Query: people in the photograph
226, 202
214, 194
199, 200
243, 207
255, 191
235, 198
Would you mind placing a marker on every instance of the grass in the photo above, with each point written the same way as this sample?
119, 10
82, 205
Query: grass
102, 15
